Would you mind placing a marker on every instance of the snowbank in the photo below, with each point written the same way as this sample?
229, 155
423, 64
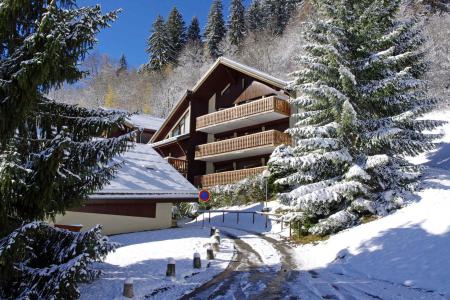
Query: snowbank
144, 257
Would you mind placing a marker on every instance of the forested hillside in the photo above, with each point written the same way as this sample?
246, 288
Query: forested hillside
267, 35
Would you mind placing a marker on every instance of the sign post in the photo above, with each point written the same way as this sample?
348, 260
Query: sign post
204, 195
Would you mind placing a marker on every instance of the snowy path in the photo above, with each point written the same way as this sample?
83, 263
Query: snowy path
260, 269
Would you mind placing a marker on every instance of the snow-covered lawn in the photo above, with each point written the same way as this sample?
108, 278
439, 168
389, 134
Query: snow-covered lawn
144, 257
410, 247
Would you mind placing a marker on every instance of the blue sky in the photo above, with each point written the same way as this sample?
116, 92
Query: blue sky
129, 33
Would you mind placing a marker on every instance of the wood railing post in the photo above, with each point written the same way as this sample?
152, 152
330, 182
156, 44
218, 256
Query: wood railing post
290, 229
223, 217
253, 218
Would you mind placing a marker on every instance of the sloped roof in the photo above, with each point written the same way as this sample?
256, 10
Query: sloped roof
146, 175
243, 69
143, 121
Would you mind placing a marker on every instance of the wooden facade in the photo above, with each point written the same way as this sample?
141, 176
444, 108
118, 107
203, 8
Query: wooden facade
237, 117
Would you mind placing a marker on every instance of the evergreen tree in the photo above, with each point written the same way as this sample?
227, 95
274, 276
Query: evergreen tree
215, 29
290, 8
236, 22
275, 16
359, 94
123, 65
176, 30
255, 16
51, 154
434, 6
159, 46
193, 32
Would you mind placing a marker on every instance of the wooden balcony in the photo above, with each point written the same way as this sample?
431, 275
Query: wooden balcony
227, 177
253, 113
181, 165
245, 146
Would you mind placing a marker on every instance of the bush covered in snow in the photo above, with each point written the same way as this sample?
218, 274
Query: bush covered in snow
249, 190
184, 210
38, 261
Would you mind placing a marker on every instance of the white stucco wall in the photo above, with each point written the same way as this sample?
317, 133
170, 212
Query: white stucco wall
113, 224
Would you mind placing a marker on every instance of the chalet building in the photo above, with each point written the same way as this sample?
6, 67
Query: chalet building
225, 128
140, 197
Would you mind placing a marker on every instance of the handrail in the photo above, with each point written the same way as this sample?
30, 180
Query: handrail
260, 139
227, 177
272, 103
181, 165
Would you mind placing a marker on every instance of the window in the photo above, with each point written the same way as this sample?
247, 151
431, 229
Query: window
181, 127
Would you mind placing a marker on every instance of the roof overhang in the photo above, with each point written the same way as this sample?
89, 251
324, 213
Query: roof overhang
261, 76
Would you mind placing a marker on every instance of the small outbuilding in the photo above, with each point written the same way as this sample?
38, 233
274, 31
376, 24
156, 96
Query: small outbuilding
140, 197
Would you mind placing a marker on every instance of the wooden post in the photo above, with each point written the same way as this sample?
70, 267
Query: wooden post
170, 267
209, 253
203, 221
237, 218
253, 218
209, 217
223, 217
267, 219
212, 231
128, 288
216, 238
290, 229
215, 246
197, 261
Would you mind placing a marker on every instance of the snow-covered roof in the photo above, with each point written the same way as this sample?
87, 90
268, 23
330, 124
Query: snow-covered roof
146, 175
146, 122
170, 140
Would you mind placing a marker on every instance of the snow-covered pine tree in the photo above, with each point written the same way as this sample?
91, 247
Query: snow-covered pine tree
215, 29
236, 23
275, 16
359, 95
52, 155
176, 30
123, 65
434, 6
255, 17
159, 46
193, 32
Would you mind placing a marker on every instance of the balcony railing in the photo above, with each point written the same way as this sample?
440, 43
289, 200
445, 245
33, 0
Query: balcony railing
181, 165
261, 140
227, 177
265, 105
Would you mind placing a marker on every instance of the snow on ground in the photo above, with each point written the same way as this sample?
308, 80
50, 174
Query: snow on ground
410, 247
230, 218
143, 256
